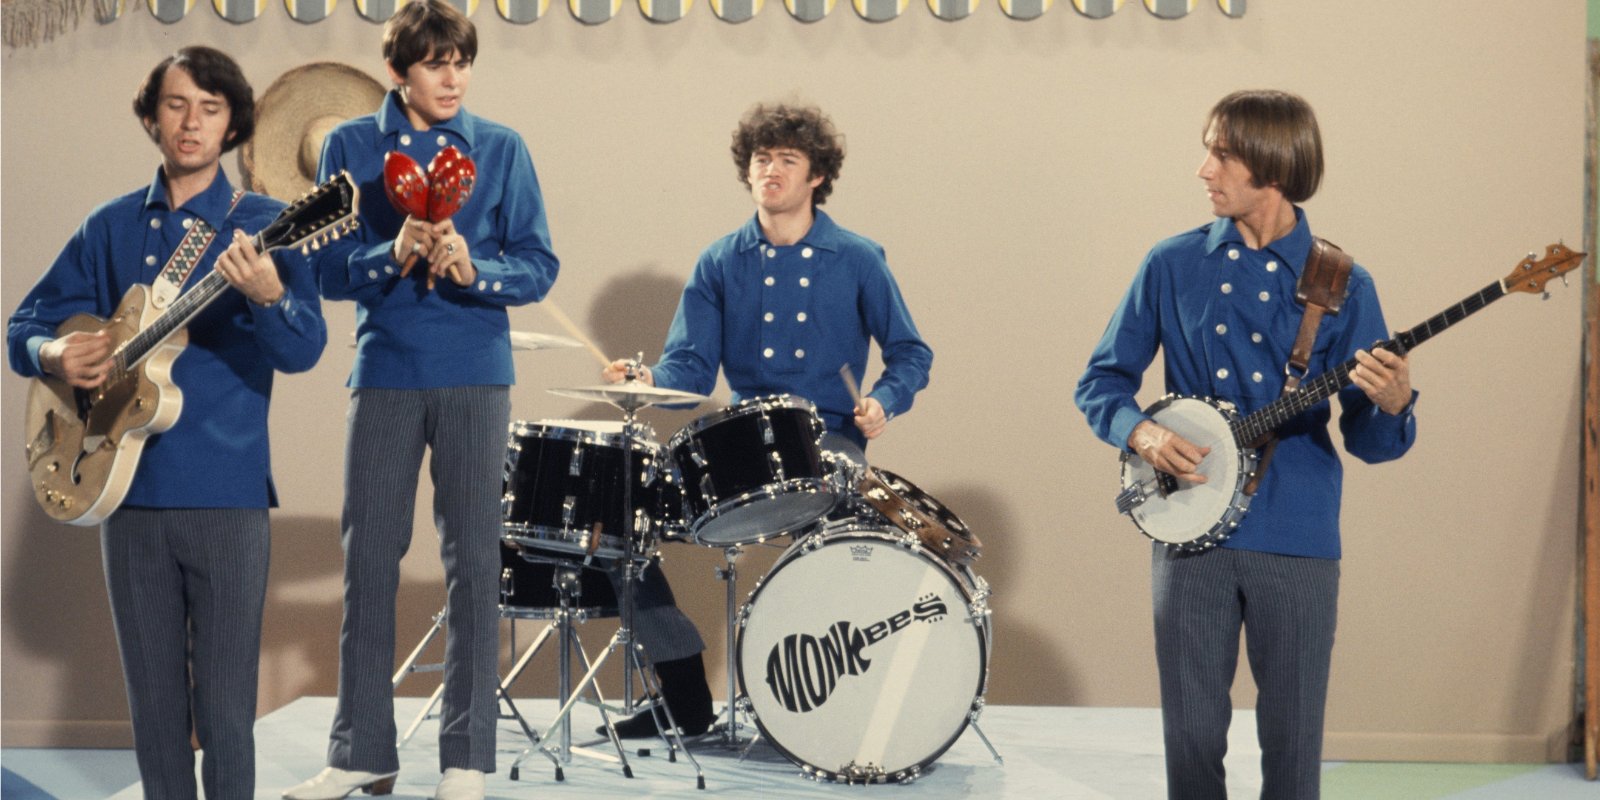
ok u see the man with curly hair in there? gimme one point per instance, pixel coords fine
(778, 305)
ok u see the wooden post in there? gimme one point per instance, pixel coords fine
(1591, 426)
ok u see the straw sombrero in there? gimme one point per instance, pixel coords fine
(293, 117)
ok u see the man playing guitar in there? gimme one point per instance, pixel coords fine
(186, 554)
(1219, 302)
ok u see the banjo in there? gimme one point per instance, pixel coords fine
(1199, 516)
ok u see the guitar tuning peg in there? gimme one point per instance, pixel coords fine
(1546, 296)
(1564, 279)
(304, 250)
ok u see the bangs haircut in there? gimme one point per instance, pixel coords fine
(1275, 134)
(213, 71)
(804, 128)
(428, 28)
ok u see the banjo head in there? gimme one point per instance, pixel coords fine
(1194, 516)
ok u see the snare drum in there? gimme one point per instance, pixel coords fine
(752, 471)
(528, 590)
(862, 654)
(564, 486)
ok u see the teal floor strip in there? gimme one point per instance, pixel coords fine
(1379, 781)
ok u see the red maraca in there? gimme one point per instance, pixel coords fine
(433, 196)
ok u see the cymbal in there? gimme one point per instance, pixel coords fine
(630, 395)
(528, 340)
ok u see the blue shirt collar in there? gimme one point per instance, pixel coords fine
(392, 120)
(824, 233)
(1291, 248)
(211, 205)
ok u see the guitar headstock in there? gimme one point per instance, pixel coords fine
(324, 213)
(1532, 273)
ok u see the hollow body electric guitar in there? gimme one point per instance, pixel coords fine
(1198, 516)
(83, 445)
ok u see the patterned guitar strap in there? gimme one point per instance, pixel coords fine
(1321, 290)
(169, 284)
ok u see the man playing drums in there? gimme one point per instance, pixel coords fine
(778, 305)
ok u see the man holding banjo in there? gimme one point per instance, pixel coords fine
(1219, 301)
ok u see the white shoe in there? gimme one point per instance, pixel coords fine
(460, 784)
(333, 783)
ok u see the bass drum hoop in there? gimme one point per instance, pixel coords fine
(959, 574)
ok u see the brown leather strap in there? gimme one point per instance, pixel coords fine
(1321, 290)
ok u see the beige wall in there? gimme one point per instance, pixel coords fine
(1016, 172)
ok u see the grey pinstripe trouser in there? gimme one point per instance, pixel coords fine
(187, 587)
(1288, 607)
(465, 427)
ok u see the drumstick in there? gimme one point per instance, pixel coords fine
(850, 386)
(566, 322)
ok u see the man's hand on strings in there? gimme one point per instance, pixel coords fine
(1385, 378)
(1167, 451)
(79, 358)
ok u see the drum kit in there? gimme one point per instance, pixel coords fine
(861, 656)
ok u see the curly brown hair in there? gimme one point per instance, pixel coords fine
(804, 128)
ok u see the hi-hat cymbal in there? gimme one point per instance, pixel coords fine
(528, 340)
(630, 395)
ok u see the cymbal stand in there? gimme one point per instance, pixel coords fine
(730, 574)
(562, 625)
(410, 665)
(624, 638)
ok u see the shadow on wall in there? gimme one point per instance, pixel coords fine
(55, 599)
(1019, 656)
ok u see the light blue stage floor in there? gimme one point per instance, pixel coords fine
(1049, 752)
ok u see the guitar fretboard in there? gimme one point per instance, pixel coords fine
(1266, 419)
(183, 310)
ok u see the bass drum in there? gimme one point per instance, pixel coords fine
(862, 655)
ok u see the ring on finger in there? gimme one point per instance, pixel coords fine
(416, 247)
(450, 247)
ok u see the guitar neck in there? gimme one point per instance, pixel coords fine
(1269, 417)
(178, 316)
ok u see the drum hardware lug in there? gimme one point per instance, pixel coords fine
(697, 453)
(568, 505)
(765, 424)
(707, 488)
(651, 471)
(775, 460)
(575, 466)
(507, 589)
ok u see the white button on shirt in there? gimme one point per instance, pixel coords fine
(1233, 254)
(1227, 288)
(770, 280)
(1222, 329)
(1255, 376)
(1255, 337)
(1222, 373)
(767, 353)
(150, 261)
(442, 140)
(805, 282)
(800, 317)
(405, 138)
(188, 223)
(1264, 297)
(806, 253)
(1272, 266)
(155, 223)
(799, 354)
(767, 316)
